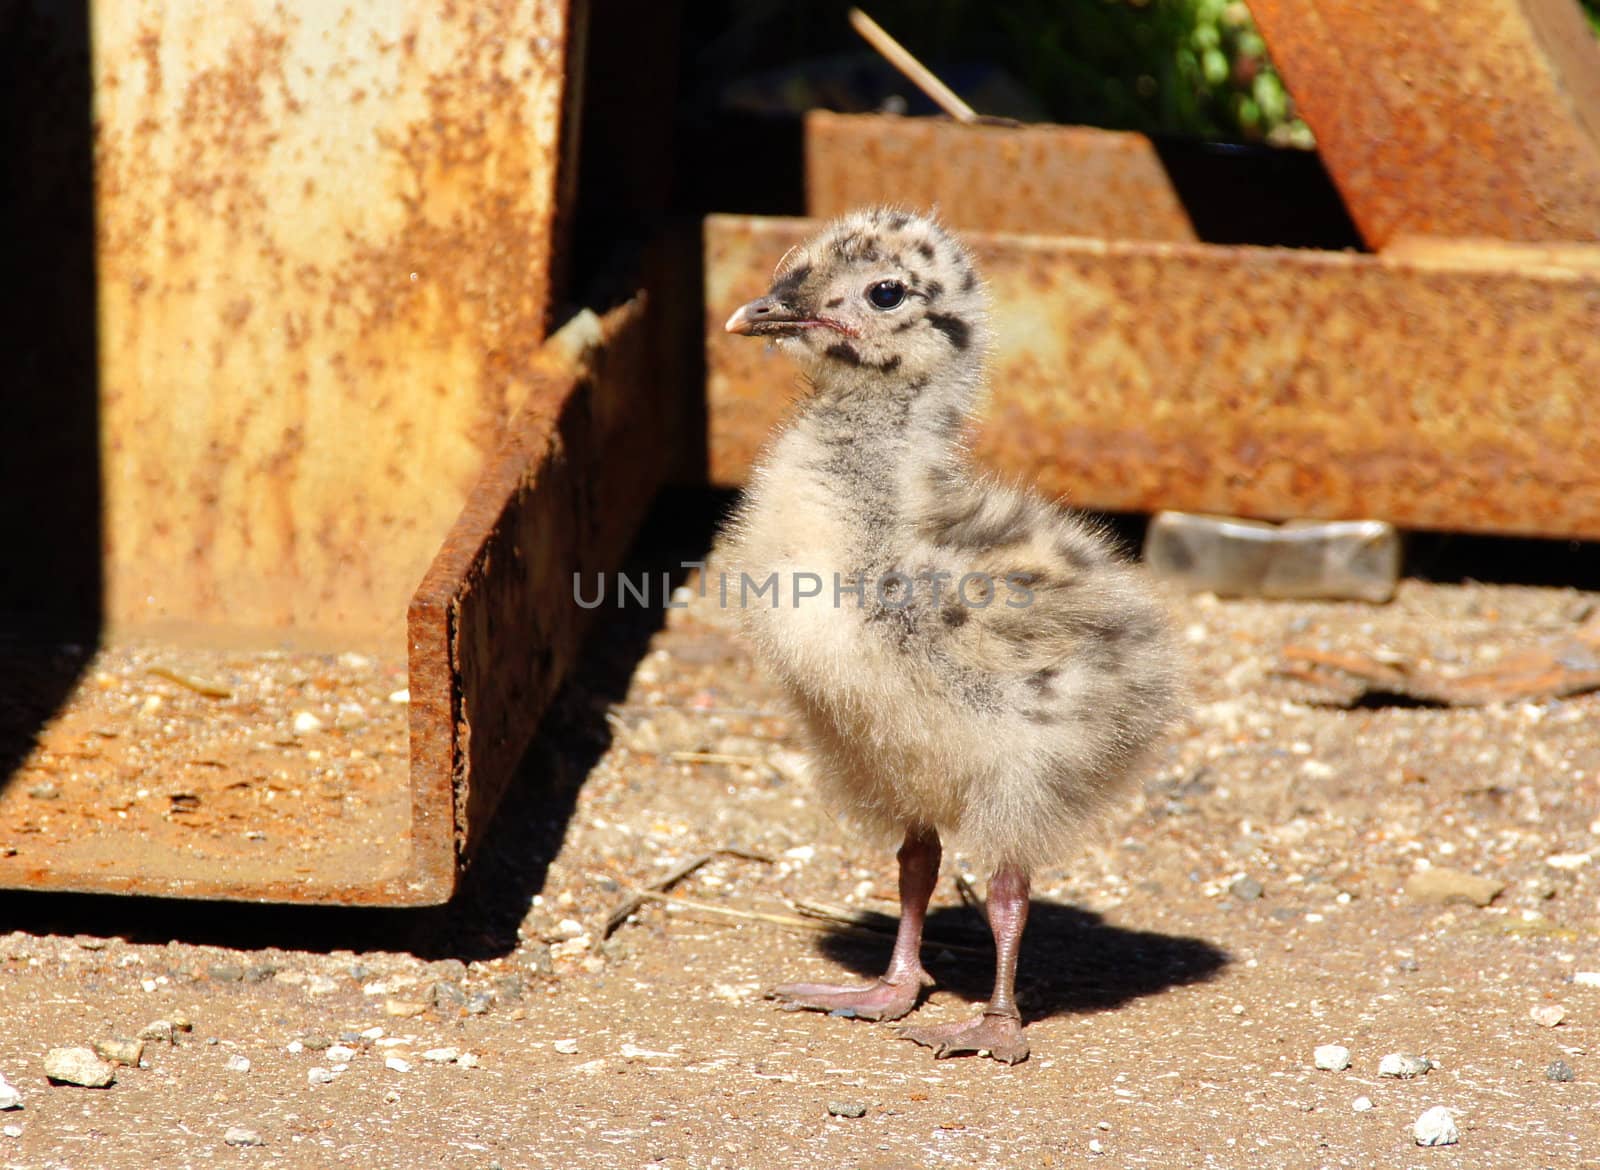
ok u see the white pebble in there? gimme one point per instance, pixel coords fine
(1547, 1015)
(340, 1053)
(12, 1131)
(441, 1055)
(1331, 1057)
(305, 723)
(238, 1135)
(1568, 860)
(9, 1097)
(800, 853)
(395, 1064)
(1399, 1064)
(239, 1064)
(1587, 978)
(1095, 1146)
(321, 985)
(565, 1047)
(403, 695)
(320, 1076)
(569, 928)
(1363, 1105)
(294, 1048)
(468, 1060)
(1436, 1127)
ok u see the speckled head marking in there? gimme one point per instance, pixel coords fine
(880, 292)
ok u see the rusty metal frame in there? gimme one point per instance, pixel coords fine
(1446, 386)
(493, 627)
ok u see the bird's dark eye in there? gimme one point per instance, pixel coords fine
(886, 294)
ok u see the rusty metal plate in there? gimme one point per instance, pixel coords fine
(494, 625)
(217, 771)
(1447, 391)
(1472, 118)
(324, 238)
(1042, 180)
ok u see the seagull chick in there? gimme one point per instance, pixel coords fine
(969, 661)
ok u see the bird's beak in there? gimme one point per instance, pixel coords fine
(769, 316)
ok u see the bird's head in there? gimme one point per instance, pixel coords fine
(879, 291)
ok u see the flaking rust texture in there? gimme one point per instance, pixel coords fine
(1472, 118)
(1041, 180)
(494, 627)
(324, 237)
(1446, 388)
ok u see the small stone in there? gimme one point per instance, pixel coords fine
(443, 993)
(478, 1004)
(259, 973)
(847, 1109)
(1096, 1146)
(340, 1054)
(1363, 1105)
(1246, 888)
(1559, 1070)
(238, 1064)
(1436, 1127)
(78, 1066)
(396, 1064)
(1331, 1057)
(305, 723)
(566, 1047)
(319, 1076)
(120, 1051)
(238, 1135)
(1568, 861)
(1403, 1065)
(441, 1055)
(182, 1024)
(12, 1131)
(569, 928)
(404, 1009)
(321, 985)
(225, 973)
(403, 695)
(316, 1042)
(10, 1098)
(295, 1048)
(1586, 978)
(1547, 1015)
(467, 1060)
(1443, 885)
(157, 1030)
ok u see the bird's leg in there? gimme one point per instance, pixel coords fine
(896, 993)
(998, 1031)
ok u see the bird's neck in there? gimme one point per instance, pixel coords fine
(888, 440)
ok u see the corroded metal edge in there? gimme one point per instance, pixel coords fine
(1473, 118)
(1444, 389)
(1042, 180)
(493, 627)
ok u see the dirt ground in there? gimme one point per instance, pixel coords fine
(1249, 904)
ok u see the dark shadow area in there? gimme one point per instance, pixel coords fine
(1258, 195)
(1072, 960)
(525, 834)
(50, 570)
(1453, 558)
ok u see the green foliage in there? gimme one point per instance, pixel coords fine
(1591, 9)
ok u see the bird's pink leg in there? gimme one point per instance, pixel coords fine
(896, 993)
(998, 1031)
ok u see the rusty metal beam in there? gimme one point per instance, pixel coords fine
(205, 791)
(494, 628)
(1469, 118)
(326, 235)
(1043, 180)
(1450, 388)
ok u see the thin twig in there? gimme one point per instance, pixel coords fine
(874, 921)
(671, 878)
(919, 74)
(969, 897)
(717, 758)
(199, 686)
